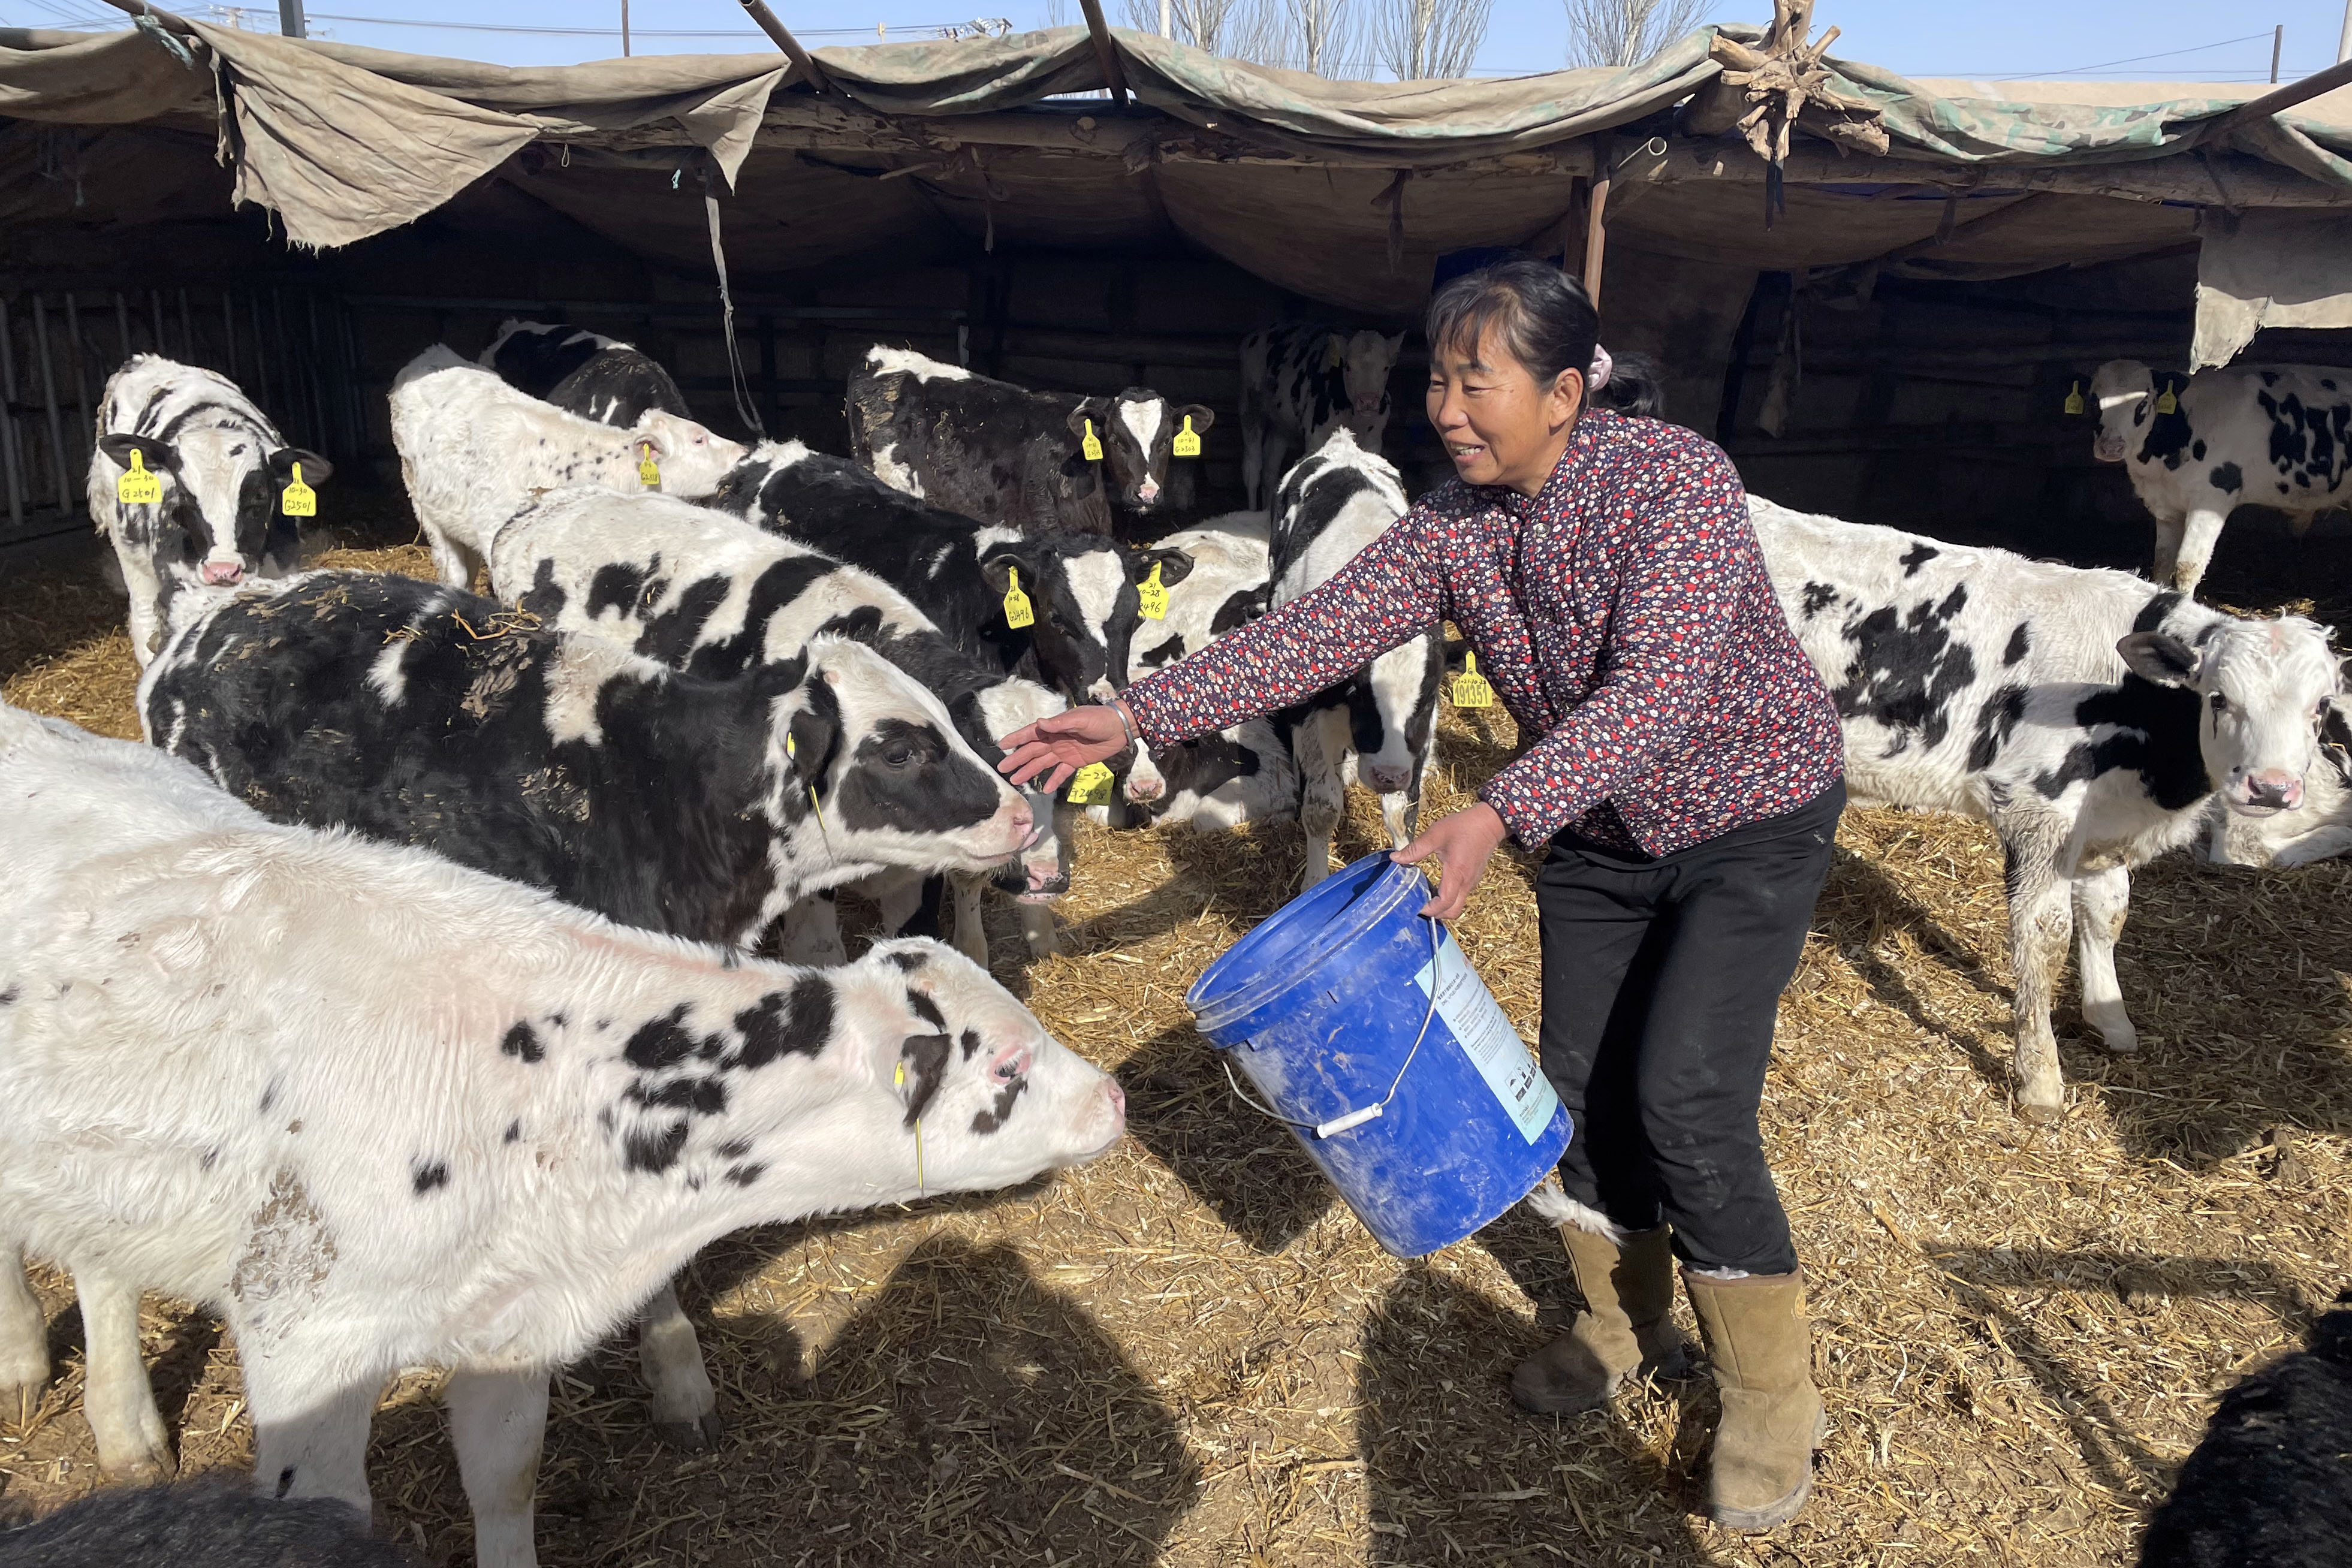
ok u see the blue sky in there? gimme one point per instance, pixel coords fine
(2194, 39)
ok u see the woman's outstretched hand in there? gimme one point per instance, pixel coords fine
(1463, 844)
(1064, 743)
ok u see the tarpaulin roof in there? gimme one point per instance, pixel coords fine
(1341, 190)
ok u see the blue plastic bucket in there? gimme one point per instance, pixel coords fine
(1364, 1029)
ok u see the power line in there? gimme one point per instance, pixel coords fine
(992, 26)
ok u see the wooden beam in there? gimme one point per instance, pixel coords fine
(2285, 98)
(1105, 52)
(164, 19)
(1596, 226)
(802, 62)
(2009, 216)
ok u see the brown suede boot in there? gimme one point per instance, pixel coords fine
(1757, 1334)
(1627, 1325)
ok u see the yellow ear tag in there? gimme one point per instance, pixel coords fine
(137, 487)
(899, 1081)
(649, 471)
(1092, 445)
(1018, 613)
(299, 500)
(2074, 404)
(1188, 442)
(1152, 596)
(1333, 351)
(793, 750)
(1090, 785)
(2166, 403)
(1472, 689)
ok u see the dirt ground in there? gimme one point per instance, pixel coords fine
(1191, 1353)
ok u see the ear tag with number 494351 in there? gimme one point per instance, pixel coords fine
(1092, 445)
(1018, 613)
(1472, 689)
(1188, 440)
(299, 500)
(649, 471)
(138, 486)
(1151, 596)
(1090, 785)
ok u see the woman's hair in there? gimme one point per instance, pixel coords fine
(1545, 320)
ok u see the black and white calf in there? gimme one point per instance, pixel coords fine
(473, 449)
(1001, 454)
(705, 808)
(377, 1109)
(2319, 827)
(222, 471)
(706, 594)
(1079, 586)
(583, 372)
(2280, 436)
(1379, 727)
(2088, 716)
(1301, 382)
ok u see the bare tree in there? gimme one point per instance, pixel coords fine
(1626, 32)
(1237, 29)
(1322, 35)
(1419, 39)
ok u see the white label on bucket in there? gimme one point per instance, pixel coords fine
(1487, 1038)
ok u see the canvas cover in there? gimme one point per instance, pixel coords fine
(1343, 191)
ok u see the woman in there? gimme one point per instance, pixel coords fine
(1686, 776)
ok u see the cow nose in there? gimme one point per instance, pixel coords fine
(220, 573)
(1148, 491)
(1023, 821)
(1117, 1098)
(1101, 691)
(1388, 780)
(2274, 786)
(1145, 788)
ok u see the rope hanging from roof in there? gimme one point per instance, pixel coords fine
(1766, 92)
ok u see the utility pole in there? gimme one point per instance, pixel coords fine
(1168, 30)
(2278, 41)
(291, 23)
(624, 34)
(2344, 41)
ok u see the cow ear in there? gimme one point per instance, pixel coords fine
(998, 564)
(2157, 658)
(117, 446)
(657, 429)
(1200, 415)
(1095, 409)
(1175, 565)
(315, 469)
(1396, 347)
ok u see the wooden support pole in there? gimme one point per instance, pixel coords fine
(2009, 216)
(1105, 52)
(1596, 227)
(2285, 99)
(810, 72)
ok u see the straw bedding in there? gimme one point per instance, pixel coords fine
(1191, 1353)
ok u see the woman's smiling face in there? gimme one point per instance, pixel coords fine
(1498, 425)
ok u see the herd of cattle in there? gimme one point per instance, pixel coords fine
(414, 946)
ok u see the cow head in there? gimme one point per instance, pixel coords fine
(875, 757)
(2121, 391)
(1138, 430)
(2265, 686)
(220, 520)
(993, 1097)
(1364, 361)
(693, 460)
(1081, 591)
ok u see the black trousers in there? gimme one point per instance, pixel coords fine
(1660, 978)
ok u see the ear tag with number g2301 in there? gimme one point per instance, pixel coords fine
(138, 486)
(1092, 445)
(1090, 785)
(1152, 596)
(1188, 440)
(649, 471)
(1472, 689)
(297, 500)
(1018, 613)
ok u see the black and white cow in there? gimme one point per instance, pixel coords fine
(1379, 727)
(222, 471)
(473, 449)
(1301, 382)
(2319, 826)
(425, 715)
(2278, 436)
(583, 372)
(378, 1109)
(2088, 716)
(1001, 454)
(703, 593)
(1081, 587)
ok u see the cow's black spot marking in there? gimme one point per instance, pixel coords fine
(733, 1149)
(702, 1096)
(1996, 721)
(1918, 555)
(2152, 614)
(995, 1116)
(909, 961)
(2156, 736)
(744, 1175)
(8, 996)
(1819, 596)
(971, 1038)
(923, 1007)
(555, 1020)
(268, 1096)
(617, 585)
(653, 1151)
(926, 1059)
(522, 1043)
(423, 1175)
(284, 1480)
(1907, 670)
(211, 1158)
(2270, 378)
(2020, 644)
(2197, 451)
(2228, 477)
(514, 1132)
(662, 1042)
(796, 1022)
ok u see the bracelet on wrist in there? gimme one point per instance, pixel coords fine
(1126, 725)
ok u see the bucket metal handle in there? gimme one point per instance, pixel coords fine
(1353, 1119)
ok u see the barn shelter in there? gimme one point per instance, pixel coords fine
(1884, 320)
